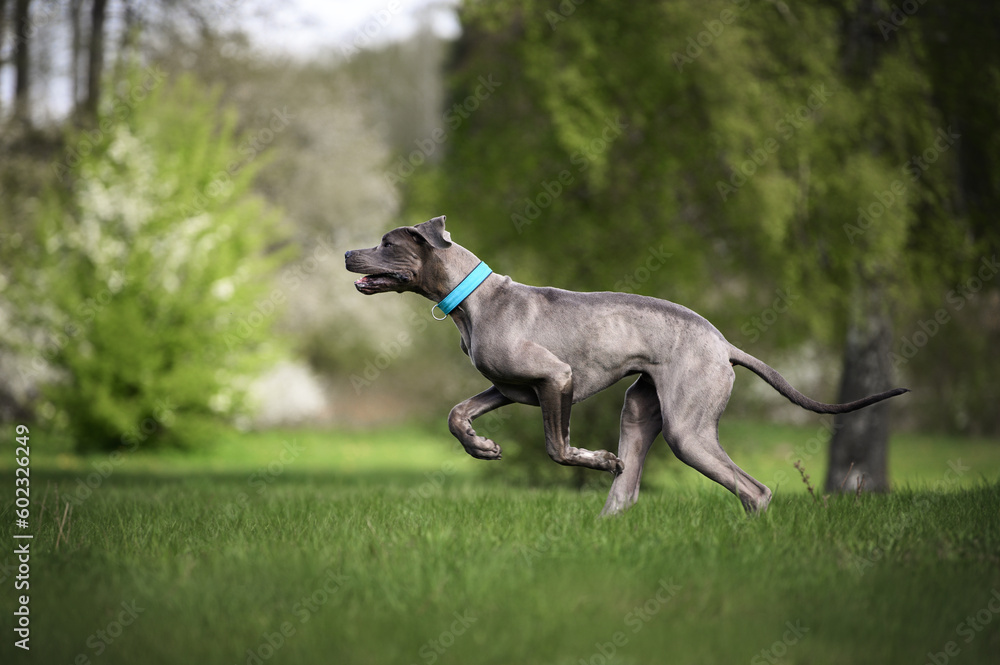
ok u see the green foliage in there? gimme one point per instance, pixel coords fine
(750, 153)
(148, 289)
(764, 147)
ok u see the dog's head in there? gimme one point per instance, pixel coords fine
(399, 262)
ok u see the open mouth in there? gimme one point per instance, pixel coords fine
(386, 281)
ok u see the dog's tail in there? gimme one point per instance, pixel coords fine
(778, 382)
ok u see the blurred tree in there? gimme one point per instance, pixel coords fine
(876, 246)
(736, 147)
(22, 59)
(935, 227)
(403, 86)
(3, 38)
(75, 48)
(325, 171)
(149, 287)
(95, 62)
(962, 59)
(326, 157)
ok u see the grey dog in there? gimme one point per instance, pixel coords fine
(553, 348)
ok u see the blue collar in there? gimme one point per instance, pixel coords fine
(463, 290)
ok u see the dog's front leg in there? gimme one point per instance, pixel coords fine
(555, 397)
(461, 417)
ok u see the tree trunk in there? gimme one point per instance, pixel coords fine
(22, 71)
(859, 446)
(129, 29)
(95, 70)
(861, 438)
(76, 48)
(3, 28)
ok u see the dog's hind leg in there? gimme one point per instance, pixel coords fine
(702, 451)
(641, 423)
(691, 406)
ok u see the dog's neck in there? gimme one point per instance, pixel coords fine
(460, 262)
(465, 288)
(448, 271)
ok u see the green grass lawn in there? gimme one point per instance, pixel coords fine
(390, 547)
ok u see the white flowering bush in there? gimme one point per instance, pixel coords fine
(152, 293)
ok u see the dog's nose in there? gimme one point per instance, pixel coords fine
(348, 253)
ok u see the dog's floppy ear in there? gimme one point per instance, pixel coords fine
(432, 231)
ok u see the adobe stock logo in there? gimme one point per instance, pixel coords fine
(957, 298)
(760, 324)
(779, 648)
(914, 169)
(453, 118)
(969, 628)
(637, 619)
(657, 259)
(433, 649)
(714, 28)
(583, 159)
(786, 128)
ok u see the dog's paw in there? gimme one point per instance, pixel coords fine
(486, 449)
(615, 465)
